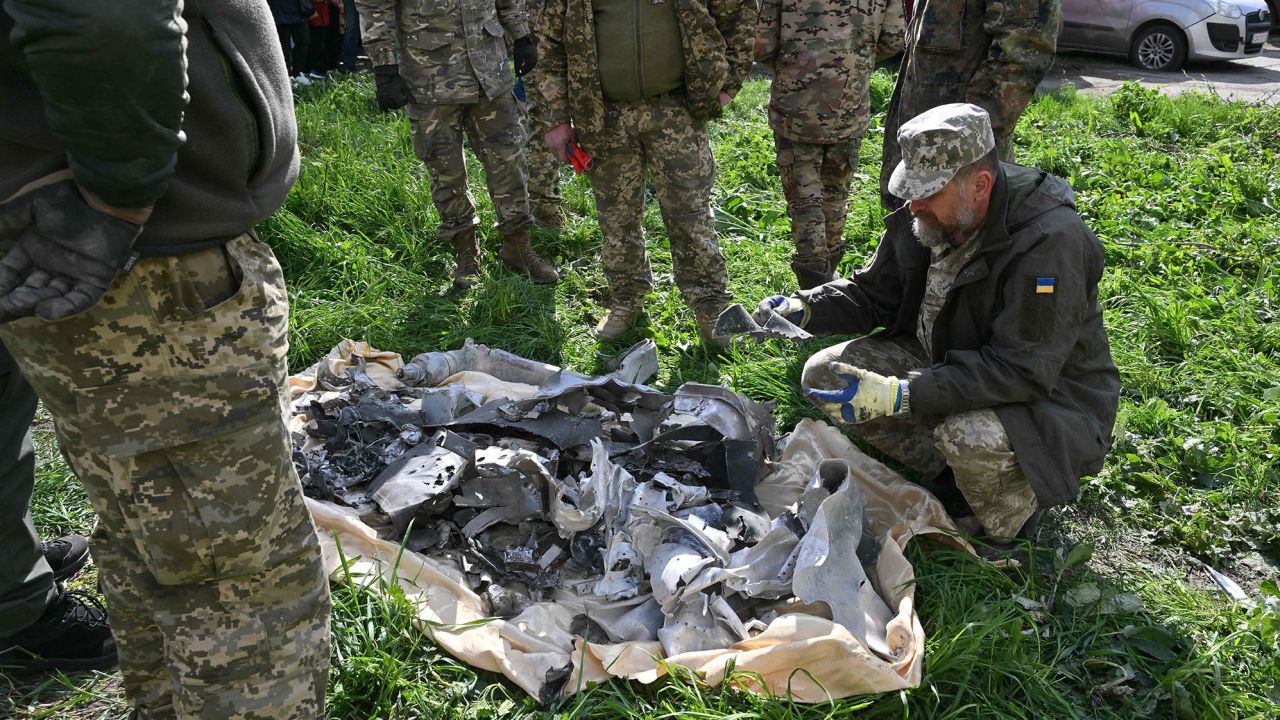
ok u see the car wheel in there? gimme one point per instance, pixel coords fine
(1158, 47)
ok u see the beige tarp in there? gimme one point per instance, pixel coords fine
(804, 655)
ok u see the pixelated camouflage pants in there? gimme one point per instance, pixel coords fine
(974, 443)
(167, 397)
(497, 138)
(660, 135)
(815, 181)
(544, 174)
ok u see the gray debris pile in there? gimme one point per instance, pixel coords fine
(540, 484)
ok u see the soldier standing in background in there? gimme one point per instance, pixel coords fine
(544, 167)
(989, 53)
(634, 83)
(457, 79)
(822, 53)
(152, 323)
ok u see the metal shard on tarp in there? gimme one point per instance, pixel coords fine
(735, 320)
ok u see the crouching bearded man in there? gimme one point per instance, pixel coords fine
(991, 374)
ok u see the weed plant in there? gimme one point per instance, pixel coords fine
(1113, 616)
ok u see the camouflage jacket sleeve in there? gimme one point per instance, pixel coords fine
(769, 32)
(1024, 37)
(892, 32)
(737, 22)
(550, 86)
(380, 30)
(514, 18)
(113, 79)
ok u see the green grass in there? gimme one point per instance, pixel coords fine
(1113, 618)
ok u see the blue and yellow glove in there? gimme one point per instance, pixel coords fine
(865, 396)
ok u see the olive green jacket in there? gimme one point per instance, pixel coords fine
(193, 115)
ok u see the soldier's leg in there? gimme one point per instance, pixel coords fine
(800, 167)
(497, 138)
(209, 560)
(545, 201)
(677, 149)
(986, 470)
(617, 181)
(906, 439)
(437, 141)
(1004, 147)
(839, 162)
(26, 580)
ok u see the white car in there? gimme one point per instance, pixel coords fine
(1163, 34)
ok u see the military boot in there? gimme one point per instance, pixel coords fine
(518, 254)
(73, 634)
(549, 217)
(810, 273)
(706, 320)
(619, 320)
(835, 255)
(465, 253)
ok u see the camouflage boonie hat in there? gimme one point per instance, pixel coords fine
(936, 144)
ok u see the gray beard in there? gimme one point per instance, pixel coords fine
(934, 236)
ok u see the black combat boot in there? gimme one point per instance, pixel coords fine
(73, 634)
(66, 555)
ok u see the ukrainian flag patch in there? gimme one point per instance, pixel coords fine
(1044, 285)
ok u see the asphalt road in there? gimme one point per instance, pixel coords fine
(1255, 80)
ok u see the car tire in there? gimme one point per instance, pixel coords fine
(1159, 46)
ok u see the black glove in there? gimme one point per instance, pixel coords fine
(65, 253)
(393, 91)
(526, 55)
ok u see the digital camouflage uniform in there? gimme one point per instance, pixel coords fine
(992, 54)
(454, 58)
(664, 133)
(544, 167)
(822, 53)
(1001, 339)
(167, 394)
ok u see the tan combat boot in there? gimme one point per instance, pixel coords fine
(518, 254)
(618, 321)
(706, 330)
(467, 264)
(550, 217)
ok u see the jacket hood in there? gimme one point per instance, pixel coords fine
(1031, 193)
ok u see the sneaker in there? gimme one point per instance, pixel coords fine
(73, 634)
(66, 555)
(301, 80)
(617, 322)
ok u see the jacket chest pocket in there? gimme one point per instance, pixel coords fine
(940, 26)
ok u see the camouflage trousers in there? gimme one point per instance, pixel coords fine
(497, 137)
(544, 175)
(815, 181)
(167, 397)
(973, 443)
(658, 134)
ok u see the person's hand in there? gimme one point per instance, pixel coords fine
(725, 98)
(392, 91)
(67, 248)
(558, 137)
(793, 310)
(865, 395)
(525, 55)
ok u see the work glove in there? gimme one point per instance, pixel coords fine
(65, 252)
(865, 396)
(526, 55)
(392, 91)
(792, 309)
